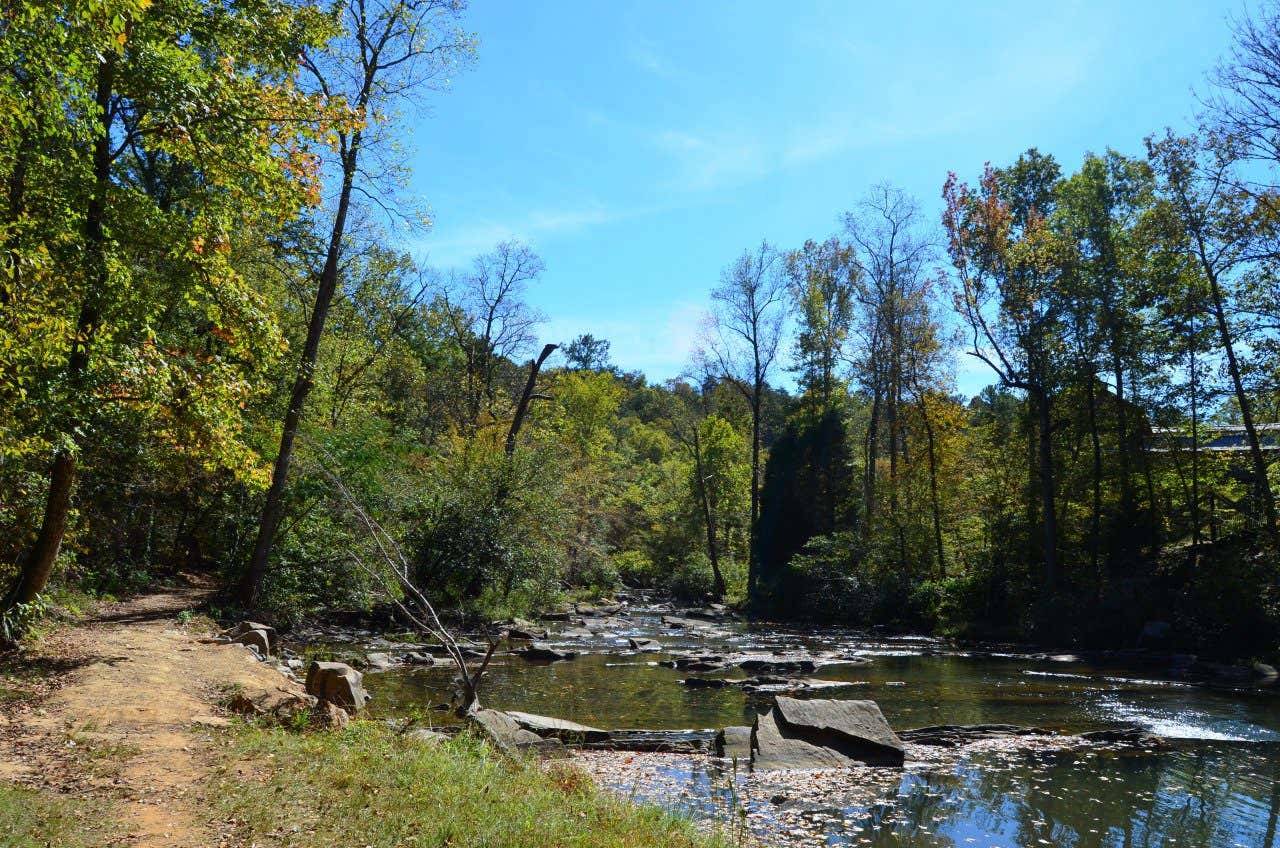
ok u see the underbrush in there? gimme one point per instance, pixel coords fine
(367, 786)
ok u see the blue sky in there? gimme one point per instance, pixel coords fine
(640, 146)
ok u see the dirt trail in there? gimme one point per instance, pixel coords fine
(128, 711)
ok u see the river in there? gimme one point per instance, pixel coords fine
(1214, 782)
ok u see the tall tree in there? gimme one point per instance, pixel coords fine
(169, 148)
(897, 333)
(822, 279)
(1007, 261)
(492, 322)
(1217, 227)
(748, 308)
(387, 53)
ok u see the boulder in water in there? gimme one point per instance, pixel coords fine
(542, 652)
(817, 734)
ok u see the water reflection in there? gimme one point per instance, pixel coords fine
(1212, 795)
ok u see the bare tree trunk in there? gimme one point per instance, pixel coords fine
(38, 565)
(304, 381)
(517, 421)
(1195, 444)
(869, 484)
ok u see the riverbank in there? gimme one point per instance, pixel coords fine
(112, 733)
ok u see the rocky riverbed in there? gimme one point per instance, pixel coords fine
(1018, 748)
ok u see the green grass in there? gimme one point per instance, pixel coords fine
(365, 786)
(31, 818)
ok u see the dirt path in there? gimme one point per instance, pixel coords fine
(126, 709)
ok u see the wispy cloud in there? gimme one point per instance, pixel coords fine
(706, 161)
(645, 56)
(455, 245)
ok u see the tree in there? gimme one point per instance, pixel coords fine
(822, 279)
(492, 324)
(162, 154)
(899, 342)
(1007, 261)
(748, 308)
(587, 353)
(388, 51)
(1217, 225)
(1098, 211)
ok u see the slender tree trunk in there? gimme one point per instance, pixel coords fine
(1122, 435)
(1047, 505)
(273, 508)
(1195, 448)
(895, 519)
(62, 474)
(1261, 485)
(933, 491)
(753, 565)
(872, 453)
(708, 515)
(517, 420)
(1095, 530)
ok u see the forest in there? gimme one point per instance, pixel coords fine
(217, 355)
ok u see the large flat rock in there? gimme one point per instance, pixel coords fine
(558, 728)
(821, 734)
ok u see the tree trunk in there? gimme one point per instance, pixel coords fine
(517, 420)
(1095, 528)
(35, 572)
(708, 515)
(753, 566)
(1047, 506)
(872, 456)
(273, 508)
(933, 491)
(1195, 449)
(1122, 435)
(1261, 485)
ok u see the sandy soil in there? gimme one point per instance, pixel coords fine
(125, 709)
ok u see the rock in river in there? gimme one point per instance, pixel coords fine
(819, 734)
(542, 652)
(568, 731)
(781, 665)
(648, 645)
